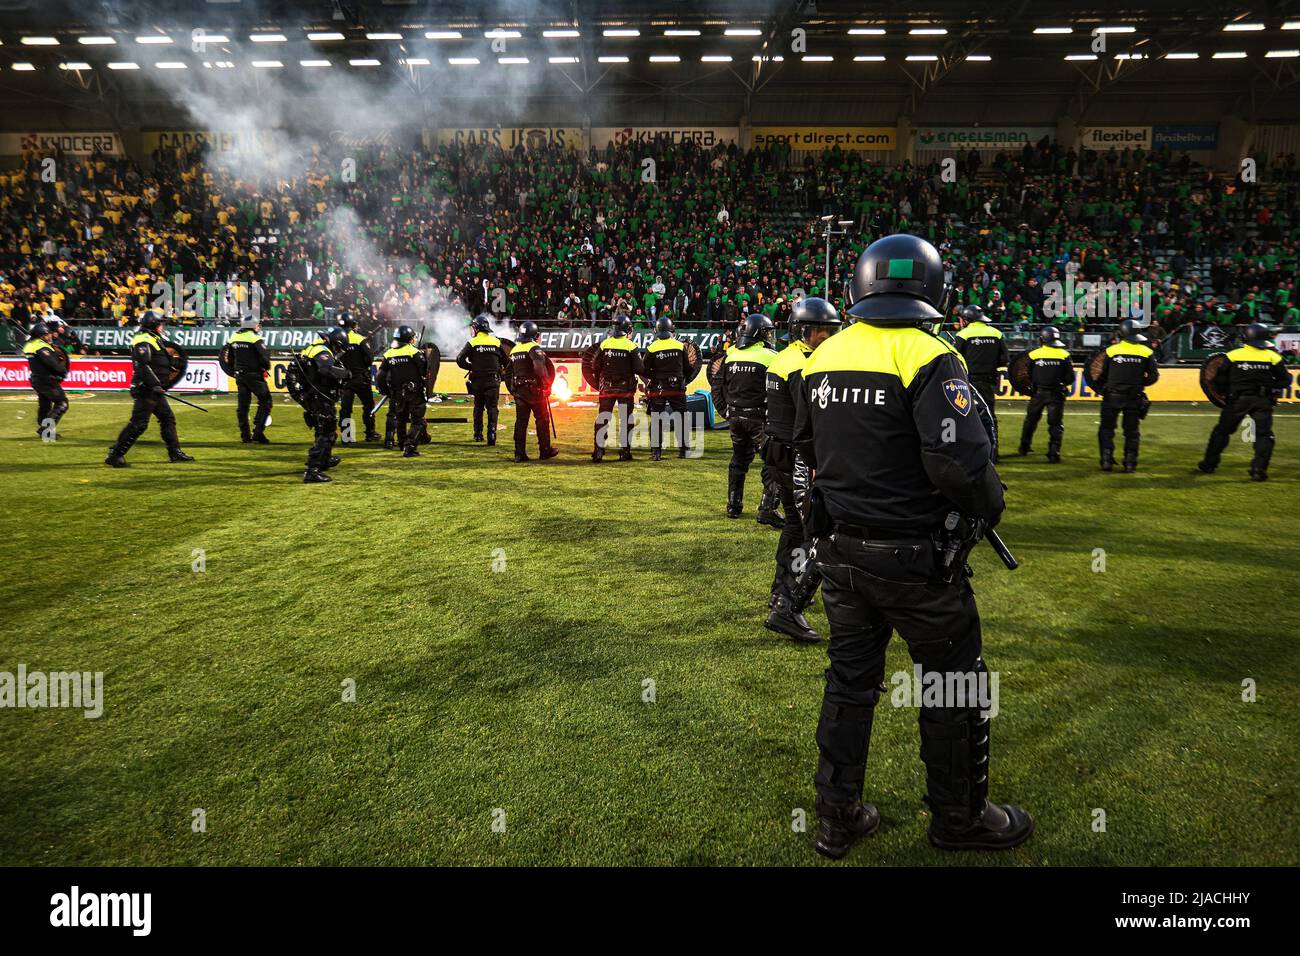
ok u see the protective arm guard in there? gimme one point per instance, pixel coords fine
(802, 483)
(142, 370)
(263, 357)
(1151, 370)
(462, 360)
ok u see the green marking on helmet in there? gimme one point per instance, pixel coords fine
(900, 269)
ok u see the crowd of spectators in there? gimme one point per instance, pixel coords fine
(703, 235)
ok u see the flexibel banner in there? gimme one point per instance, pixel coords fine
(826, 137)
(529, 137)
(47, 144)
(1182, 138)
(1115, 137)
(705, 136)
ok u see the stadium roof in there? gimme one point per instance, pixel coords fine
(702, 54)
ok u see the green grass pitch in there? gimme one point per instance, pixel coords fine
(516, 695)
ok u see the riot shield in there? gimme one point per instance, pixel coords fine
(1021, 375)
(1208, 370)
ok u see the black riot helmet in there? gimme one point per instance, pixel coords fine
(151, 321)
(971, 313)
(813, 312)
(1130, 331)
(756, 328)
(663, 327)
(898, 280)
(1050, 335)
(1257, 335)
(622, 325)
(39, 329)
(480, 324)
(405, 334)
(346, 321)
(528, 331)
(335, 338)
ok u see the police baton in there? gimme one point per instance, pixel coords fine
(1000, 549)
(177, 398)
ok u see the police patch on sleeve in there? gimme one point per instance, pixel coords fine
(958, 394)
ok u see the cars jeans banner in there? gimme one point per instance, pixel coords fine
(529, 137)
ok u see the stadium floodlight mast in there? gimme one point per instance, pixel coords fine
(828, 231)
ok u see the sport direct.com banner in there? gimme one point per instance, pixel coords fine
(113, 374)
(825, 137)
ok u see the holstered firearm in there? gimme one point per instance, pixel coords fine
(958, 537)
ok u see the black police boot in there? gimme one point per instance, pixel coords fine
(333, 462)
(548, 453)
(786, 619)
(735, 497)
(625, 455)
(373, 435)
(1130, 465)
(656, 454)
(388, 443)
(314, 476)
(767, 510)
(1107, 460)
(839, 826)
(491, 439)
(522, 458)
(997, 826)
(1053, 454)
(410, 451)
(244, 436)
(1022, 450)
(176, 455)
(1258, 474)
(597, 455)
(478, 436)
(1206, 467)
(681, 452)
(259, 438)
(114, 460)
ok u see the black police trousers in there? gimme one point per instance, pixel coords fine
(792, 548)
(148, 403)
(1131, 404)
(532, 405)
(1260, 410)
(51, 403)
(1052, 400)
(605, 421)
(668, 413)
(870, 589)
(486, 399)
(358, 386)
(250, 387)
(324, 422)
(746, 436)
(408, 411)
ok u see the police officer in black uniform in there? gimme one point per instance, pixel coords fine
(403, 375)
(531, 375)
(151, 367)
(617, 365)
(887, 422)
(323, 376)
(667, 373)
(484, 357)
(985, 351)
(812, 321)
(741, 388)
(47, 365)
(1252, 378)
(1052, 376)
(252, 364)
(358, 358)
(1129, 367)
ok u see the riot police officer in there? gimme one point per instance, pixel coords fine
(47, 364)
(985, 352)
(887, 423)
(616, 364)
(741, 389)
(1052, 376)
(1129, 367)
(358, 358)
(1252, 377)
(531, 375)
(484, 358)
(151, 367)
(402, 377)
(667, 373)
(252, 363)
(812, 322)
(323, 376)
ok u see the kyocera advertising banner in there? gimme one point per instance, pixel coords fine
(1115, 137)
(825, 137)
(47, 144)
(705, 136)
(1185, 137)
(529, 137)
(92, 373)
(981, 137)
